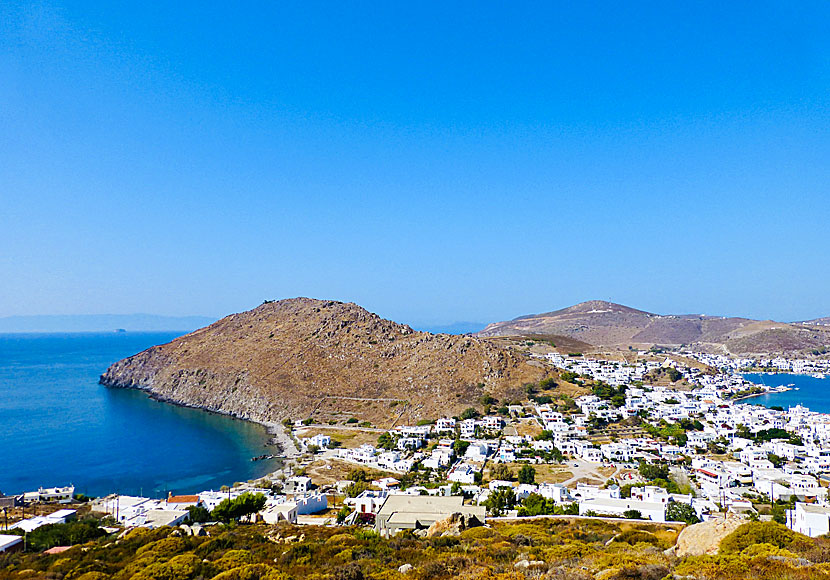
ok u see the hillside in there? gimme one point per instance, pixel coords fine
(527, 549)
(328, 360)
(608, 325)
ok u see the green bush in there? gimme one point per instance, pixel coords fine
(759, 533)
(68, 534)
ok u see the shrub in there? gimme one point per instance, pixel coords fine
(758, 533)
(636, 536)
(233, 559)
(179, 567)
(251, 572)
(501, 471)
(68, 534)
(469, 413)
(352, 571)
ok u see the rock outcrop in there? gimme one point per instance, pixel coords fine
(705, 537)
(326, 360)
(452, 525)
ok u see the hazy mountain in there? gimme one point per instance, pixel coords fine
(101, 323)
(605, 324)
(453, 328)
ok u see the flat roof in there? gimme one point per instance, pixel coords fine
(7, 541)
(427, 507)
(626, 503)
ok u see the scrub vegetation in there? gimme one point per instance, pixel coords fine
(554, 548)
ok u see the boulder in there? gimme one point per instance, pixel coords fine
(453, 525)
(705, 537)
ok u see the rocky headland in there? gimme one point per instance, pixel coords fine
(328, 361)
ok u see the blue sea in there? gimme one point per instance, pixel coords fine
(58, 426)
(812, 392)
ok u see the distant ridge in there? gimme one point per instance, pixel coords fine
(453, 328)
(101, 323)
(605, 324)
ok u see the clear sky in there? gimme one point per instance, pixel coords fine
(433, 162)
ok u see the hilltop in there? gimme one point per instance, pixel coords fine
(328, 360)
(602, 324)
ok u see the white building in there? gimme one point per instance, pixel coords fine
(808, 519)
(617, 507)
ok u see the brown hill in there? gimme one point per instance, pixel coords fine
(301, 357)
(605, 324)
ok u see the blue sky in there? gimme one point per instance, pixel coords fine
(432, 162)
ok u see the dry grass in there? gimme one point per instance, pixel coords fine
(346, 437)
(606, 470)
(529, 427)
(329, 471)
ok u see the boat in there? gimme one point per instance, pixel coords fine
(819, 376)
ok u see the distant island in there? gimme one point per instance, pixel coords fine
(102, 323)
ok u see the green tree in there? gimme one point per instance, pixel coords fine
(500, 500)
(355, 488)
(633, 514)
(527, 474)
(544, 436)
(651, 471)
(243, 505)
(460, 447)
(198, 513)
(358, 475)
(385, 441)
(681, 512)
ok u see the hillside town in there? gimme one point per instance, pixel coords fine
(628, 449)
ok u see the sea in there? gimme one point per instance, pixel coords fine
(58, 426)
(808, 391)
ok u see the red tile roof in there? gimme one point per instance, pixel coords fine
(183, 499)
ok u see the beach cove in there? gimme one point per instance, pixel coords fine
(61, 427)
(806, 390)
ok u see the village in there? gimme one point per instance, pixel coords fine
(630, 449)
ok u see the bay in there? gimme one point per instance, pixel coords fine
(58, 426)
(812, 392)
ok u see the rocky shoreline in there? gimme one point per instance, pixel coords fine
(276, 432)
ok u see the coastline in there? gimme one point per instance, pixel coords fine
(277, 435)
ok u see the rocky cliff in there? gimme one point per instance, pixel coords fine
(327, 360)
